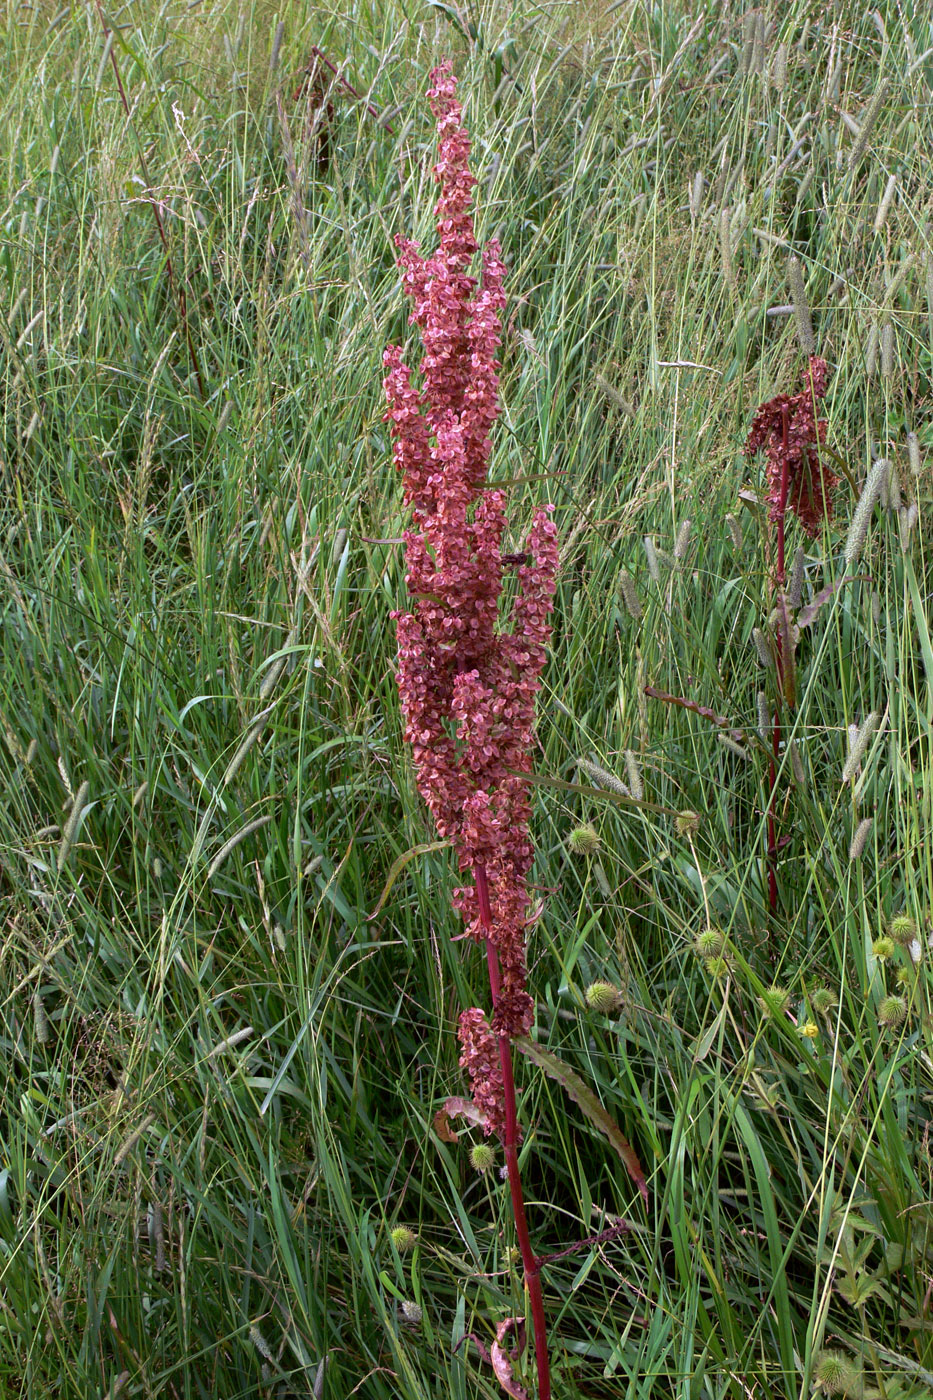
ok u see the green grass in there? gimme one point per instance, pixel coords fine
(219, 1078)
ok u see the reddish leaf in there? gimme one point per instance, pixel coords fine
(703, 710)
(586, 1099)
(502, 1359)
(456, 1108)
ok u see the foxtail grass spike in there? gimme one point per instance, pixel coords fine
(860, 837)
(235, 841)
(73, 823)
(765, 655)
(651, 554)
(633, 771)
(869, 117)
(861, 516)
(725, 244)
(730, 744)
(779, 68)
(764, 718)
(858, 743)
(907, 518)
(913, 453)
(795, 587)
(630, 595)
(798, 296)
(40, 1020)
(796, 765)
(884, 207)
(602, 777)
(734, 527)
(887, 350)
(695, 195)
(682, 542)
(276, 47)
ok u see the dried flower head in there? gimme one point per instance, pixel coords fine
(583, 841)
(774, 1001)
(903, 929)
(687, 823)
(789, 432)
(709, 943)
(482, 1157)
(822, 1000)
(411, 1313)
(467, 687)
(602, 997)
(892, 1012)
(404, 1239)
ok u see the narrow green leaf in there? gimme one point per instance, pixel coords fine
(585, 1098)
(399, 865)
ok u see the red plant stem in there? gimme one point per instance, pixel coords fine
(531, 1264)
(782, 503)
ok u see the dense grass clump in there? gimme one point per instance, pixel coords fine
(220, 1168)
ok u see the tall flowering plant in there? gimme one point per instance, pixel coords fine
(467, 681)
(790, 432)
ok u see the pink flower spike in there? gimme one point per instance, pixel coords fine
(467, 685)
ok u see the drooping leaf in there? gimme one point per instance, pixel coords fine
(399, 865)
(502, 1359)
(808, 614)
(585, 1098)
(704, 710)
(456, 1108)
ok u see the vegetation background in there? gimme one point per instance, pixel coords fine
(220, 1079)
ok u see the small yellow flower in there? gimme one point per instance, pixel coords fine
(810, 1029)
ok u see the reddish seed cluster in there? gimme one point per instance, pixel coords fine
(480, 1059)
(789, 432)
(467, 686)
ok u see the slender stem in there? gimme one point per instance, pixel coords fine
(531, 1264)
(174, 286)
(780, 578)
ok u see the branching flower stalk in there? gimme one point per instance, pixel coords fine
(790, 433)
(468, 684)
